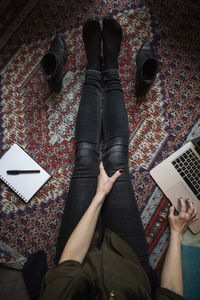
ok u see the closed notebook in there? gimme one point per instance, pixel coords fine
(25, 185)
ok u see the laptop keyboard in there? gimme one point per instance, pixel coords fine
(188, 166)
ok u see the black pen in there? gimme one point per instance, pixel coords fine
(17, 172)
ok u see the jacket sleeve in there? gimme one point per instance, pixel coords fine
(57, 283)
(165, 294)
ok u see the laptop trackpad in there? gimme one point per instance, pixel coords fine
(178, 191)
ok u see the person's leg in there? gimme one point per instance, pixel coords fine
(87, 136)
(120, 212)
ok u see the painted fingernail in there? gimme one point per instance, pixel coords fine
(121, 171)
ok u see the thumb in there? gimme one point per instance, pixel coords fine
(101, 167)
(116, 175)
(102, 170)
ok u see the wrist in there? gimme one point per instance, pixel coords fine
(176, 236)
(99, 198)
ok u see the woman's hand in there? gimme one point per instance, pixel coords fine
(187, 214)
(105, 183)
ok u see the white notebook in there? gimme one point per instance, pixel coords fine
(25, 185)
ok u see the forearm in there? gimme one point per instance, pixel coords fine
(171, 277)
(78, 244)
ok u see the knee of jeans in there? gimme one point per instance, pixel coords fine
(115, 158)
(87, 165)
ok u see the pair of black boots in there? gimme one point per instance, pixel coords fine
(111, 35)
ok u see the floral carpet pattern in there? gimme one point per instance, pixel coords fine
(43, 123)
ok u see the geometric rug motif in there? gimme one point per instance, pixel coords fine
(11, 258)
(43, 124)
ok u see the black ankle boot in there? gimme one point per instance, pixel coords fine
(147, 67)
(52, 63)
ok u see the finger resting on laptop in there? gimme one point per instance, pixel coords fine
(192, 211)
(194, 215)
(183, 206)
(191, 207)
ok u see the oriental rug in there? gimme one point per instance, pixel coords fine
(43, 123)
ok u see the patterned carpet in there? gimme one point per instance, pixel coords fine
(43, 124)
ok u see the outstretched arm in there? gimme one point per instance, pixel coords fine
(171, 277)
(78, 244)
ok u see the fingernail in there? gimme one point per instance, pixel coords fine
(121, 170)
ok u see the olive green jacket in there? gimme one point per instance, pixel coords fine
(114, 269)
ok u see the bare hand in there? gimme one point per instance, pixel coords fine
(178, 224)
(105, 183)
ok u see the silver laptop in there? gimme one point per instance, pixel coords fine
(179, 176)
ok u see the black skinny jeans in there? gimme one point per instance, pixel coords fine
(119, 212)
